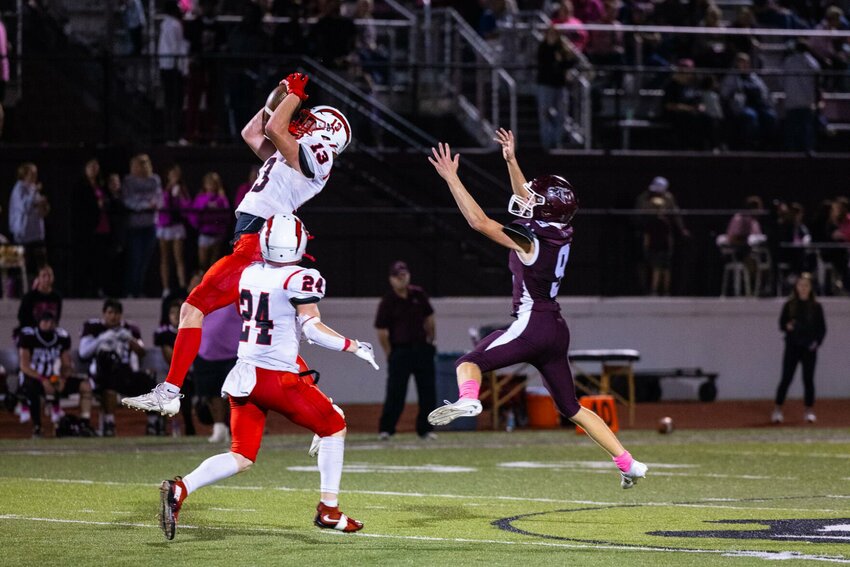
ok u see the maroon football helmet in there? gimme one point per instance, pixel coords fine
(550, 199)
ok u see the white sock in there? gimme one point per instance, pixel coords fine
(331, 503)
(212, 470)
(219, 427)
(109, 418)
(331, 453)
(171, 388)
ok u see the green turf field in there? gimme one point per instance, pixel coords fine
(733, 497)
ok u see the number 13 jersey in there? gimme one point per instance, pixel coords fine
(281, 189)
(268, 297)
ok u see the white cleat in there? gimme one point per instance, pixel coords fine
(158, 400)
(314, 446)
(776, 416)
(636, 471)
(464, 407)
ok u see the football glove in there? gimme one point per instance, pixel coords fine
(296, 83)
(367, 353)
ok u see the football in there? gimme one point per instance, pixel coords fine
(273, 100)
(665, 425)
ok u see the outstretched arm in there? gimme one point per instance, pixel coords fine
(254, 136)
(447, 166)
(324, 336)
(277, 128)
(505, 138)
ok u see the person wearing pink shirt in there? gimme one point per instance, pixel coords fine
(565, 14)
(210, 216)
(243, 189)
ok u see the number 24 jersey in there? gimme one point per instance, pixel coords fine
(268, 297)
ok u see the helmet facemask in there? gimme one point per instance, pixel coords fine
(523, 207)
(325, 122)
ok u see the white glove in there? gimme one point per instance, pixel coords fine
(367, 353)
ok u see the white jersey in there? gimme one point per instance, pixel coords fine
(268, 295)
(281, 189)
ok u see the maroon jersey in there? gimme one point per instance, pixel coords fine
(535, 285)
(46, 348)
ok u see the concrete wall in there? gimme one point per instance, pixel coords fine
(738, 338)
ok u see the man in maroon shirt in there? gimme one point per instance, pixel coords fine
(405, 324)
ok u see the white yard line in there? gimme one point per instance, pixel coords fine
(710, 503)
(766, 555)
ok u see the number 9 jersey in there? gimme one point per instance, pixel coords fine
(268, 297)
(281, 189)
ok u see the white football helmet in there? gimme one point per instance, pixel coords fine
(325, 122)
(283, 238)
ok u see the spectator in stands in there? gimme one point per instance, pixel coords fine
(607, 47)
(497, 14)
(405, 324)
(246, 38)
(164, 338)
(44, 352)
(172, 49)
(658, 233)
(771, 16)
(710, 49)
(751, 116)
(4, 70)
(171, 228)
(801, 98)
(210, 216)
(85, 218)
(333, 37)
(804, 326)
(289, 37)
(589, 11)
(135, 21)
(649, 42)
(833, 52)
(839, 231)
(693, 127)
(113, 347)
(204, 103)
(744, 231)
(370, 55)
(216, 357)
(41, 299)
(142, 195)
(565, 14)
(27, 208)
(794, 234)
(242, 190)
(749, 44)
(115, 236)
(554, 59)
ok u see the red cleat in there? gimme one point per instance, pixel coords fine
(332, 519)
(171, 496)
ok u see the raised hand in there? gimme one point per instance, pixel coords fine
(443, 162)
(296, 83)
(505, 138)
(367, 353)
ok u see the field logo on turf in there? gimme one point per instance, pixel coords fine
(812, 531)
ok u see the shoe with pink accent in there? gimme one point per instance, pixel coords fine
(171, 496)
(332, 519)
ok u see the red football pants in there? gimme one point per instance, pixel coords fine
(293, 396)
(220, 286)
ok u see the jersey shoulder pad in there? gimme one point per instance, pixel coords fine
(93, 327)
(62, 333)
(318, 155)
(305, 285)
(26, 337)
(519, 230)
